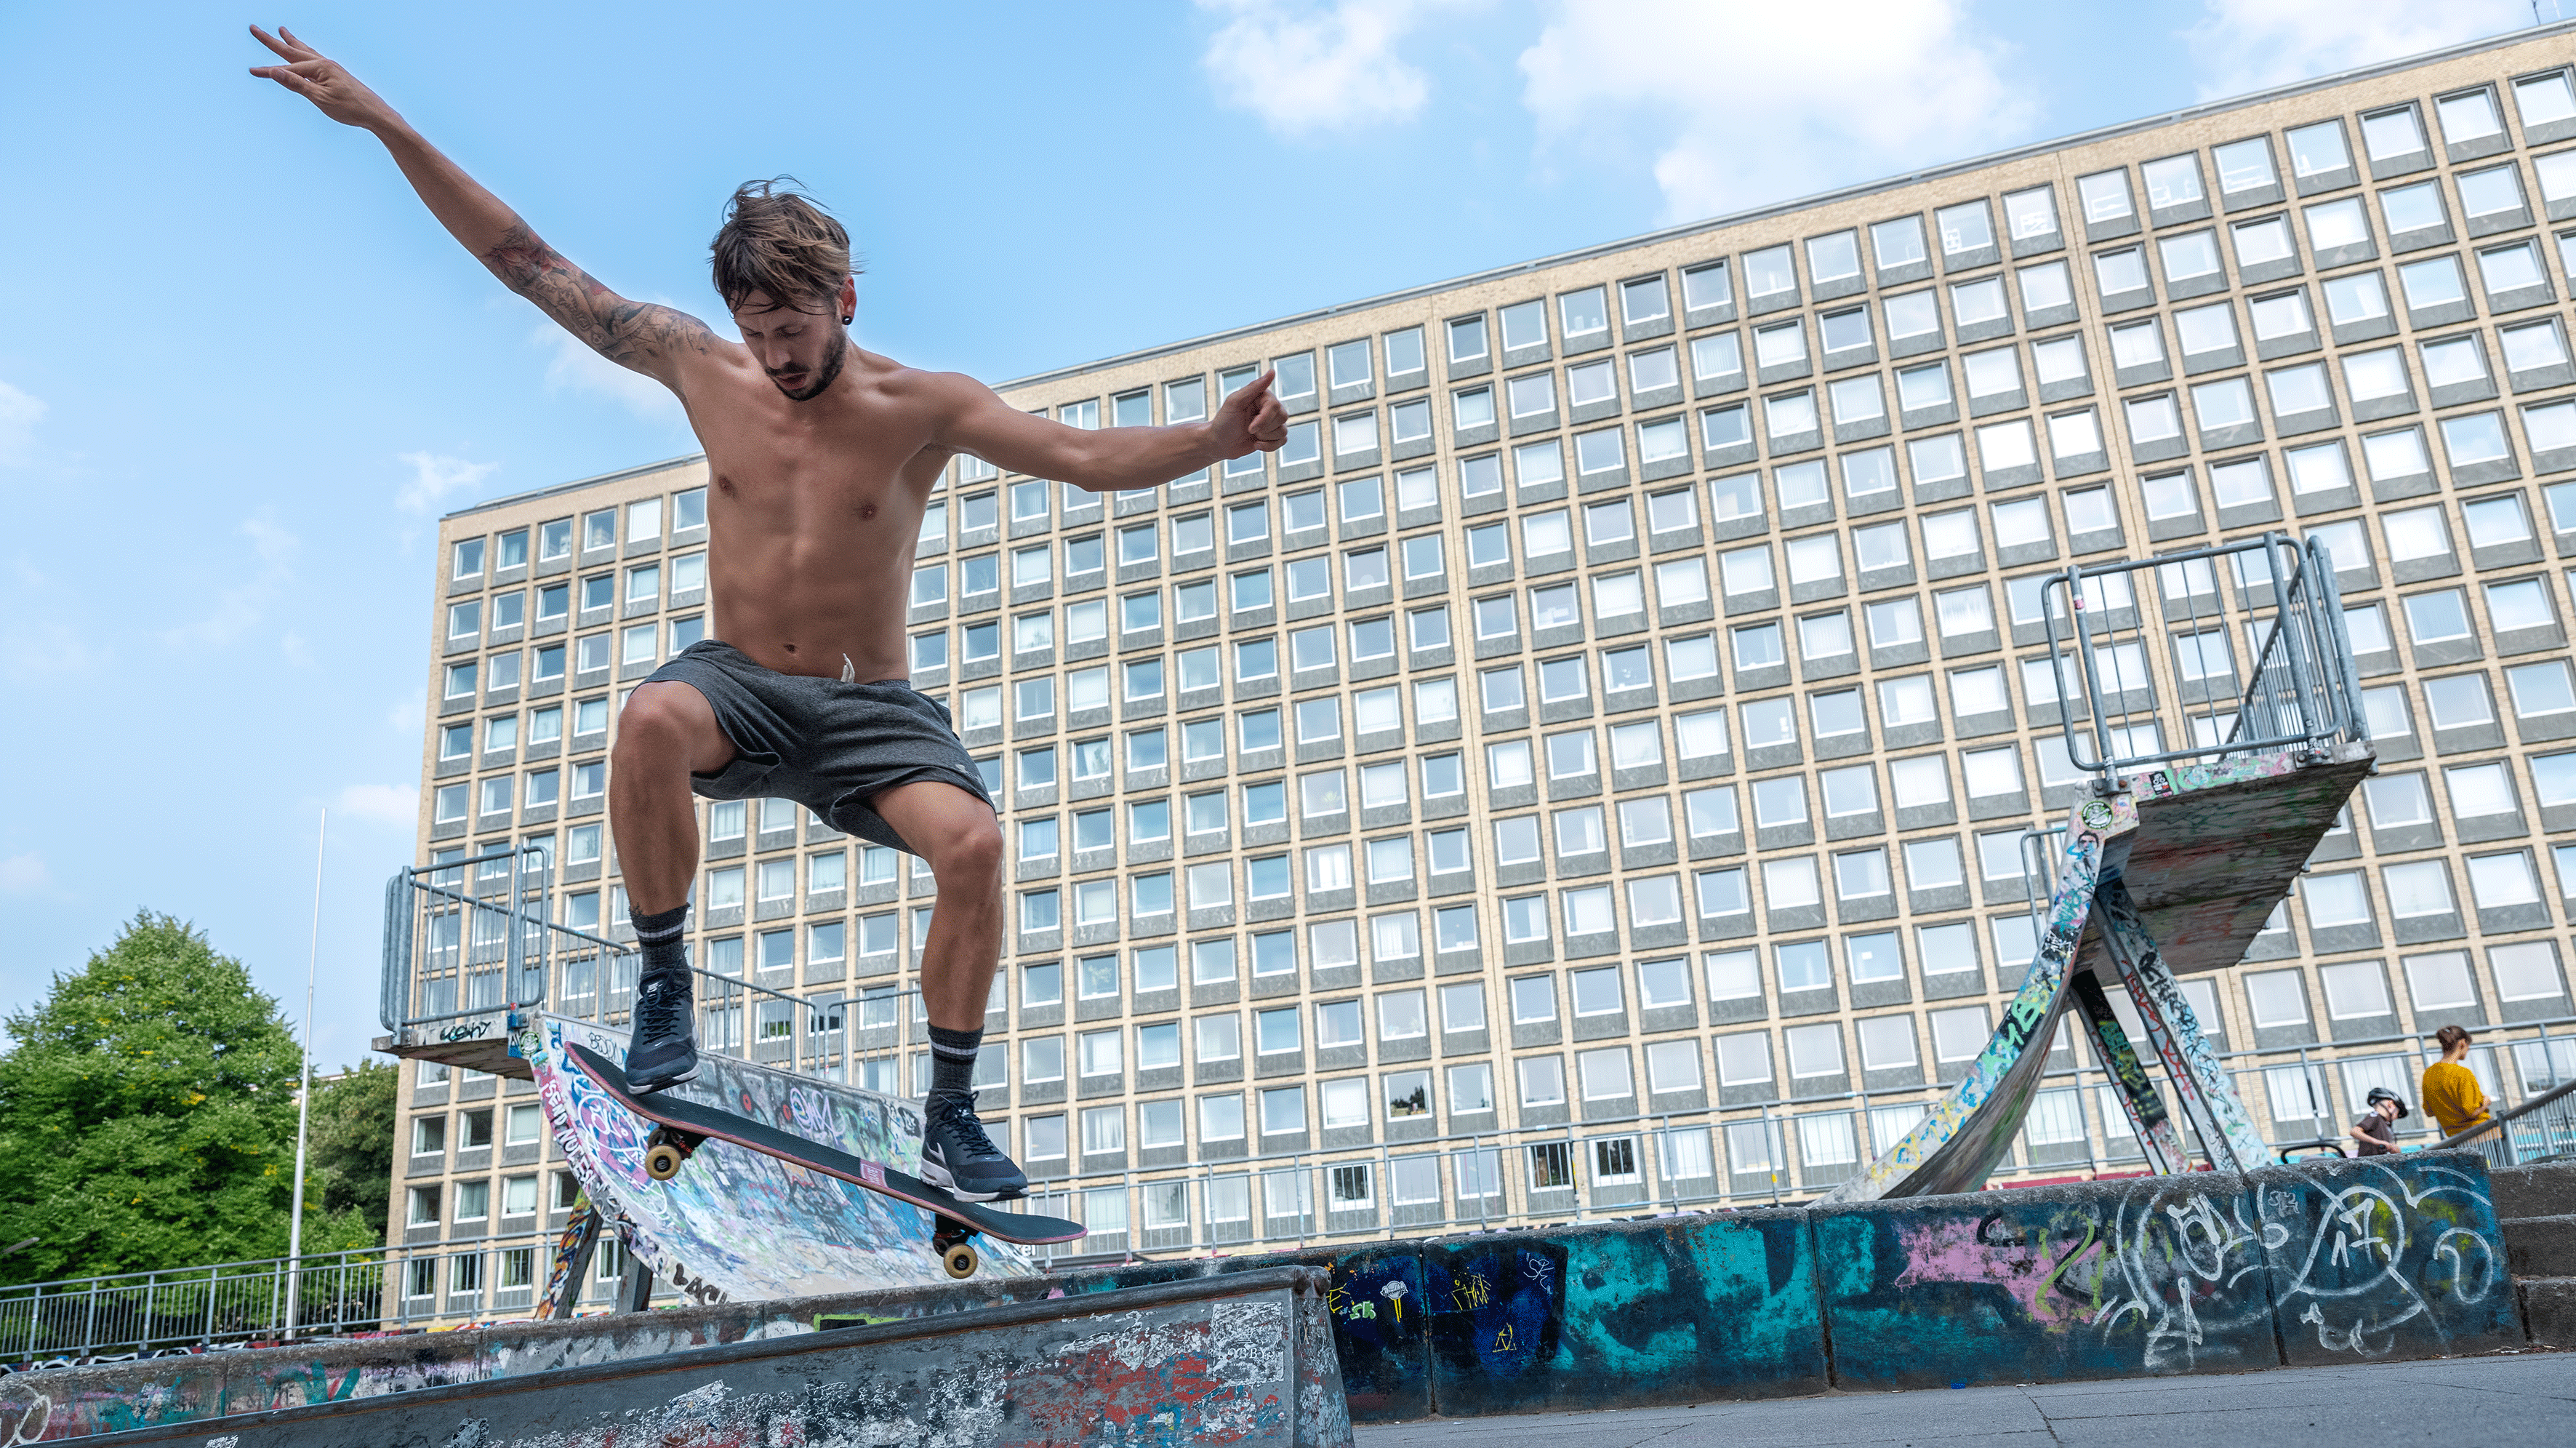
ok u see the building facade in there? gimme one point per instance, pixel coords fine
(1587, 768)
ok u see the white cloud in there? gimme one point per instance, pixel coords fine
(384, 804)
(572, 367)
(235, 610)
(1307, 68)
(2247, 45)
(435, 478)
(25, 874)
(1745, 103)
(19, 414)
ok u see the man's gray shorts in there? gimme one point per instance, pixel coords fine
(829, 746)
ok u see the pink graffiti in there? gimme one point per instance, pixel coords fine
(1951, 1251)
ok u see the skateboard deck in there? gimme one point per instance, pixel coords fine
(686, 1119)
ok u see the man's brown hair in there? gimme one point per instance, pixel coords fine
(2451, 1037)
(776, 241)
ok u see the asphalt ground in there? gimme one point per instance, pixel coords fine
(2482, 1402)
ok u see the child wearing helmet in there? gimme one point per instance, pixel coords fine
(2376, 1129)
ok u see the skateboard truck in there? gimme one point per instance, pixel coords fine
(956, 1254)
(666, 1148)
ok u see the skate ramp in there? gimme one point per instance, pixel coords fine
(735, 1225)
(2204, 851)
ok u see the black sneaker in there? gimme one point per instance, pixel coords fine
(664, 1049)
(957, 1155)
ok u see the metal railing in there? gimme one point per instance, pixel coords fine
(473, 936)
(467, 937)
(2540, 1129)
(239, 1303)
(2239, 650)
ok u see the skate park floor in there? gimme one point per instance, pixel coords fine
(2491, 1402)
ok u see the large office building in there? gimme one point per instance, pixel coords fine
(1586, 770)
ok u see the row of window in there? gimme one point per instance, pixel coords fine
(471, 1201)
(600, 599)
(582, 662)
(597, 530)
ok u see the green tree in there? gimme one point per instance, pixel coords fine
(349, 1164)
(147, 1113)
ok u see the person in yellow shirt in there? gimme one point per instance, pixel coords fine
(2451, 1093)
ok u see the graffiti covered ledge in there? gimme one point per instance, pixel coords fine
(2210, 1272)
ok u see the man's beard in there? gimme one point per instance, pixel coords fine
(831, 369)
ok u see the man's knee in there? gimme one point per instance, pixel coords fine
(667, 724)
(969, 853)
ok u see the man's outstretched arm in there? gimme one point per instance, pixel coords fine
(647, 338)
(1110, 459)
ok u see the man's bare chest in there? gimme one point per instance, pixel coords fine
(820, 479)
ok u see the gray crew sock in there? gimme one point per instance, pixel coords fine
(952, 1061)
(665, 952)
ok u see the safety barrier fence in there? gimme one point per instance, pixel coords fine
(236, 1303)
(2197, 655)
(466, 938)
(2540, 1129)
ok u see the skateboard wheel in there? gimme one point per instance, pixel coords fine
(662, 1161)
(959, 1261)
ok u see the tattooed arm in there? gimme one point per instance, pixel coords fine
(653, 340)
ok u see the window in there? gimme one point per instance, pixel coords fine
(2526, 972)
(1897, 243)
(2188, 256)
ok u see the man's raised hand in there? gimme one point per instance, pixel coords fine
(1252, 419)
(324, 82)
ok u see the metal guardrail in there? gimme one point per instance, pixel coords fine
(474, 936)
(466, 937)
(238, 1303)
(2231, 650)
(2539, 1129)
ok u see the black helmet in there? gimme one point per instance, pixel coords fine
(2382, 1093)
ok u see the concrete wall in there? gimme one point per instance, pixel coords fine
(2319, 1262)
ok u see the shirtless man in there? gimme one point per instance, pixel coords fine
(822, 457)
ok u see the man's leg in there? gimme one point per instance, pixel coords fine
(958, 834)
(666, 733)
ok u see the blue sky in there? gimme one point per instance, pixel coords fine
(242, 372)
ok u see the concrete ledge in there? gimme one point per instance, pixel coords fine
(1240, 1358)
(2099, 1280)
(2398, 1257)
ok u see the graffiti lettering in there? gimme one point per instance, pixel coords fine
(464, 1031)
(1469, 1292)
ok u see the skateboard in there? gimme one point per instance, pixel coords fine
(681, 1126)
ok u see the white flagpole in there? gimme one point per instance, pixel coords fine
(304, 1097)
